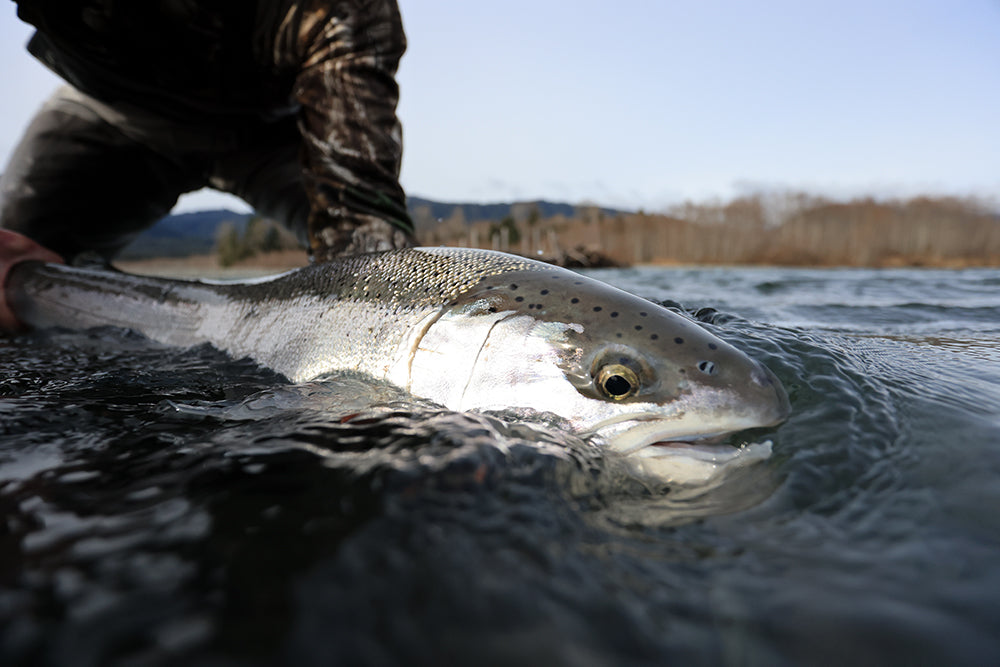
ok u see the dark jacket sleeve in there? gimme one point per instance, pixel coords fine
(352, 139)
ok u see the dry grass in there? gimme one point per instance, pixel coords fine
(793, 230)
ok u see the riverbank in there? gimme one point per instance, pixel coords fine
(208, 266)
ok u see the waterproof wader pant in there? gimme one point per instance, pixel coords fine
(89, 176)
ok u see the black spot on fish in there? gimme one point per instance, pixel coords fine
(513, 287)
(638, 327)
(643, 314)
(493, 309)
(574, 300)
(679, 340)
(519, 299)
(544, 292)
(614, 314)
(654, 337)
(713, 346)
(597, 309)
(618, 335)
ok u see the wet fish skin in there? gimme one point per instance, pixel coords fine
(358, 313)
(470, 329)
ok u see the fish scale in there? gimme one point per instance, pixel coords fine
(418, 278)
(344, 315)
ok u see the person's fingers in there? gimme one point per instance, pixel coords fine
(14, 249)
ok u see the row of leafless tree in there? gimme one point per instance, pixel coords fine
(260, 236)
(788, 229)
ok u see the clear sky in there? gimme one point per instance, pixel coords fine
(647, 103)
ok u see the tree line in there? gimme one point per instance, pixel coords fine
(260, 236)
(794, 229)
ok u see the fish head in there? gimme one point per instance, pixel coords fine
(641, 379)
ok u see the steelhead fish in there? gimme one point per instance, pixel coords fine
(469, 329)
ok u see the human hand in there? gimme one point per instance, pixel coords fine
(14, 249)
(362, 235)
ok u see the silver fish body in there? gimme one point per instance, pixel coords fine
(469, 329)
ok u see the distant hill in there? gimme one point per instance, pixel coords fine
(491, 212)
(187, 234)
(183, 234)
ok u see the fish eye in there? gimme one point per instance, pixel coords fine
(617, 382)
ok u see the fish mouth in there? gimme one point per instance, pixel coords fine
(633, 433)
(703, 463)
(712, 450)
(704, 445)
(667, 452)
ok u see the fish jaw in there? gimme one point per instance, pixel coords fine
(680, 450)
(696, 465)
(689, 441)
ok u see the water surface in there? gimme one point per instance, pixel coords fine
(163, 505)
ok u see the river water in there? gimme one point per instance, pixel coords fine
(164, 506)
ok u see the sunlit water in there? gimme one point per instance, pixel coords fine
(164, 506)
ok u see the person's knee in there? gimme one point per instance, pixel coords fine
(76, 182)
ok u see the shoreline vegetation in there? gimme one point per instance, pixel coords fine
(779, 229)
(787, 229)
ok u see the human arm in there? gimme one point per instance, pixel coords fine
(352, 141)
